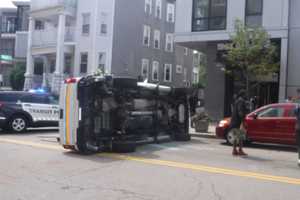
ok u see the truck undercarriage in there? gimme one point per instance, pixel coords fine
(117, 113)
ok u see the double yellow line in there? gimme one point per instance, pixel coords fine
(179, 165)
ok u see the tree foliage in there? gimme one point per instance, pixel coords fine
(250, 53)
(17, 76)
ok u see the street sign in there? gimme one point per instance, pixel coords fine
(6, 58)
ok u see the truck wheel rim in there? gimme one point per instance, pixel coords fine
(18, 124)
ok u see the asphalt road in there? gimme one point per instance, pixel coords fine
(34, 167)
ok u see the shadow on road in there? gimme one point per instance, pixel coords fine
(31, 132)
(273, 147)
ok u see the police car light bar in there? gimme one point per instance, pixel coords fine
(39, 90)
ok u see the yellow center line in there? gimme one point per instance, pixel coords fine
(179, 165)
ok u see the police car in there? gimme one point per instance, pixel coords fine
(20, 110)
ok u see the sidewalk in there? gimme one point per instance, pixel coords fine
(210, 134)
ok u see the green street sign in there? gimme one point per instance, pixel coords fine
(6, 58)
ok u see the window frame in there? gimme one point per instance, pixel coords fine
(39, 25)
(150, 5)
(171, 42)
(152, 74)
(84, 26)
(100, 63)
(173, 12)
(104, 24)
(147, 63)
(158, 4)
(209, 18)
(81, 64)
(165, 72)
(186, 51)
(247, 14)
(147, 34)
(157, 33)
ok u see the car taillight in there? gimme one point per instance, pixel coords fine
(71, 80)
(223, 123)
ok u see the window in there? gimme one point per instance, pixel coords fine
(271, 112)
(184, 75)
(10, 97)
(86, 23)
(195, 75)
(146, 38)
(186, 51)
(170, 12)
(168, 73)
(39, 99)
(291, 111)
(8, 24)
(148, 6)
(196, 60)
(83, 62)
(156, 39)
(39, 25)
(103, 25)
(68, 64)
(155, 70)
(209, 15)
(103, 29)
(178, 69)
(158, 9)
(169, 42)
(145, 68)
(102, 61)
(38, 68)
(254, 9)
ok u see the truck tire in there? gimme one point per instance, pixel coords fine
(123, 146)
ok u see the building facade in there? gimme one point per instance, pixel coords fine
(8, 27)
(13, 19)
(124, 38)
(206, 25)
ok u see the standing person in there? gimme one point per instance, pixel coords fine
(297, 112)
(236, 125)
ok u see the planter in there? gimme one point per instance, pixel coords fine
(201, 126)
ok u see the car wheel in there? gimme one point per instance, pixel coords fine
(18, 124)
(230, 137)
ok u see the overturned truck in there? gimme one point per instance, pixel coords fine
(106, 113)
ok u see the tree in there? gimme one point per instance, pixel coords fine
(17, 76)
(250, 53)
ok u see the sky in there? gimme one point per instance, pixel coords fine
(8, 3)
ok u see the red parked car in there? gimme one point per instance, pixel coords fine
(274, 123)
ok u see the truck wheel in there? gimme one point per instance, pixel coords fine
(123, 146)
(18, 124)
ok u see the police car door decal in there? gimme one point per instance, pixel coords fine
(40, 112)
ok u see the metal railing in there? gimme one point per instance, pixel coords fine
(8, 27)
(48, 37)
